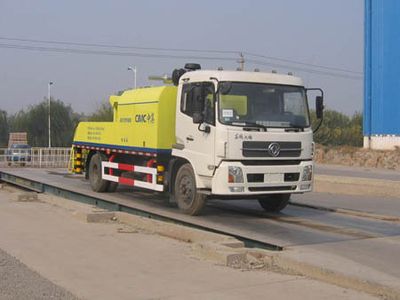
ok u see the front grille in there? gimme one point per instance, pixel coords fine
(271, 188)
(275, 162)
(260, 149)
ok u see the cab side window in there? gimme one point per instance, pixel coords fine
(187, 99)
(199, 96)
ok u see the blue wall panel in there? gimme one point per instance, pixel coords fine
(382, 67)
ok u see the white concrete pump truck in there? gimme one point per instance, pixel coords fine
(213, 134)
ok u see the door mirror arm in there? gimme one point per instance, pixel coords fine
(206, 129)
(216, 89)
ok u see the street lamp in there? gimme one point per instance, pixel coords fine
(48, 99)
(133, 69)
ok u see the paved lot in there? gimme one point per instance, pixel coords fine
(351, 171)
(389, 206)
(95, 261)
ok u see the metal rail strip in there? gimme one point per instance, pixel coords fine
(113, 206)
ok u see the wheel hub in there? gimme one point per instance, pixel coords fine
(186, 189)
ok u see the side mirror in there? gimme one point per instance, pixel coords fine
(319, 107)
(197, 118)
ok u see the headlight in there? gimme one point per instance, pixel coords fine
(235, 174)
(307, 173)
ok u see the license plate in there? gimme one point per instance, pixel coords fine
(273, 177)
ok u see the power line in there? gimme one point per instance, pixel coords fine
(112, 53)
(120, 46)
(101, 45)
(305, 70)
(302, 63)
(150, 55)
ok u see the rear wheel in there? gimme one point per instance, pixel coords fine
(186, 196)
(96, 182)
(274, 203)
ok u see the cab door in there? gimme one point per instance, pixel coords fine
(195, 126)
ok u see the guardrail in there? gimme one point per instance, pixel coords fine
(35, 157)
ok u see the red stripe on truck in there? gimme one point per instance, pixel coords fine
(126, 167)
(126, 181)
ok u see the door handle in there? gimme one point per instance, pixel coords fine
(190, 138)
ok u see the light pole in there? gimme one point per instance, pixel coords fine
(48, 99)
(133, 69)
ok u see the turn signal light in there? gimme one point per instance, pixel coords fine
(231, 179)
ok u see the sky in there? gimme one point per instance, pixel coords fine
(314, 39)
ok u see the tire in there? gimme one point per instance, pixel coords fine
(97, 184)
(274, 203)
(112, 187)
(187, 198)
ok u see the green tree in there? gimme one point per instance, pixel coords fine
(35, 122)
(339, 129)
(104, 113)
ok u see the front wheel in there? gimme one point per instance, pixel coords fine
(275, 202)
(186, 196)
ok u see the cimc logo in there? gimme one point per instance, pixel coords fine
(145, 118)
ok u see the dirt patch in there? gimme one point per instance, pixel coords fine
(360, 157)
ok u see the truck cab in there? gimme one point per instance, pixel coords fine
(246, 135)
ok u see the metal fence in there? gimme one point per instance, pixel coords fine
(35, 157)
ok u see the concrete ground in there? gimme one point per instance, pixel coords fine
(369, 190)
(69, 258)
(359, 172)
(388, 206)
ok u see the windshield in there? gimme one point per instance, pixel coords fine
(262, 105)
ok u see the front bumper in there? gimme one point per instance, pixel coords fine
(263, 179)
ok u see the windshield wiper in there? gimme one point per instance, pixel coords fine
(294, 127)
(250, 124)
